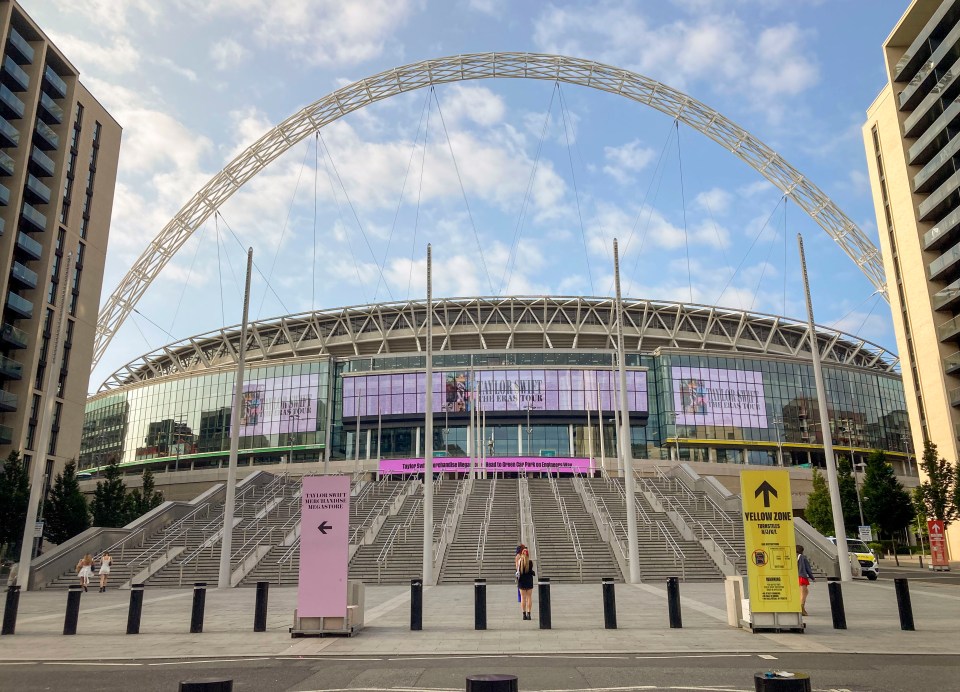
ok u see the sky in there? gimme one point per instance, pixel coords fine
(518, 185)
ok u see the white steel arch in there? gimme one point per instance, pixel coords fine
(468, 67)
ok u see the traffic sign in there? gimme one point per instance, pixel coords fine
(770, 542)
(938, 544)
(866, 533)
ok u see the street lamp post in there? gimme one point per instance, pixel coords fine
(529, 429)
(676, 431)
(776, 424)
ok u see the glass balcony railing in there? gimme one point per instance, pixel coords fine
(56, 86)
(42, 162)
(46, 138)
(955, 397)
(50, 109)
(10, 369)
(10, 104)
(11, 336)
(9, 136)
(944, 262)
(940, 200)
(943, 232)
(947, 297)
(6, 435)
(6, 163)
(8, 401)
(29, 246)
(37, 190)
(33, 219)
(949, 329)
(951, 363)
(921, 151)
(19, 305)
(14, 76)
(26, 277)
(4, 195)
(22, 51)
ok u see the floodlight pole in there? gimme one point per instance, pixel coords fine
(832, 480)
(226, 541)
(39, 461)
(624, 432)
(428, 430)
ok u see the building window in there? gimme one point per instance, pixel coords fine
(55, 428)
(32, 422)
(55, 273)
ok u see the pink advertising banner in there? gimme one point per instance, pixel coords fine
(502, 464)
(324, 546)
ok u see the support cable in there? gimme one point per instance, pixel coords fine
(283, 231)
(463, 191)
(683, 204)
(416, 218)
(763, 270)
(836, 323)
(176, 312)
(749, 249)
(716, 232)
(313, 266)
(518, 230)
(653, 179)
(226, 254)
(656, 194)
(403, 188)
(343, 223)
(873, 307)
(154, 324)
(353, 209)
(259, 271)
(216, 225)
(576, 194)
(147, 341)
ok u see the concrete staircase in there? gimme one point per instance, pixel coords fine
(569, 548)
(497, 501)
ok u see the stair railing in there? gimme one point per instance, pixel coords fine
(674, 548)
(287, 558)
(384, 556)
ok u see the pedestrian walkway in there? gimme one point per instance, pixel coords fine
(871, 610)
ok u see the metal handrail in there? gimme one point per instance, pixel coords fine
(388, 546)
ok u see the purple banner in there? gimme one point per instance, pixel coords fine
(279, 405)
(707, 396)
(459, 391)
(502, 464)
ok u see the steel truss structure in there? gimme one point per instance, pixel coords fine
(503, 324)
(468, 67)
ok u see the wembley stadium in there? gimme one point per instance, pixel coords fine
(342, 390)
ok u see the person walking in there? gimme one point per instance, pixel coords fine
(105, 562)
(806, 578)
(525, 576)
(85, 570)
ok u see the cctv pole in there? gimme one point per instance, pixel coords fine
(832, 480)
(428, 430)
(226, 541)
(624, 432)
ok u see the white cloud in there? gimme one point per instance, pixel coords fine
(492, 7)
(625, 160)
(472, 103)
(227, 54)
(112, 15)
(714, 200)
(117, 56)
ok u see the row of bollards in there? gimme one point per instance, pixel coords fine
(904, 607)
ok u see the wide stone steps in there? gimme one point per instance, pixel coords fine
(497, 564)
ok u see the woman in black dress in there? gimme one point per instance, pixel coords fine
(525, 576)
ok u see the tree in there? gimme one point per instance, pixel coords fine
(818, 513)
(65, 513)
(145, 498)
(14, 497)
(110, 506)
(885, 502)
(939, 490)
(848, 495)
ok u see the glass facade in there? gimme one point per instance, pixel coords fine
(697, 407)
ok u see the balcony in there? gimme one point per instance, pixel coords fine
(949, 329)
(10, 104)
(951, 363)
(9, 135)
(49, 110)
(955, 397)
(29, 246)
(946, 89)
(36, 192)
(937, 169)
(6, 164)
(41, 164)
(941, 201)
(10, 369)
(20, 50)
(53, 83)
(19, 305)
(944, 262)
(4, 196)
(13, 75)
(44, 137)
(31, 219)
(934, 138)
(26, 278)
(6, 435)
(13, 337)
(947, 298)
(8, 401)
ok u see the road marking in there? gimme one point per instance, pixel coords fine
(208, 660)
(641, 658)
(767, 657)
(100, 609)
(86, 663)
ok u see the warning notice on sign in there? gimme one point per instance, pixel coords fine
(771, 546)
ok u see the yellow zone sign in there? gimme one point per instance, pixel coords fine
(770, 541)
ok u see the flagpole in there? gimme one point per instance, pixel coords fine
(428, 433)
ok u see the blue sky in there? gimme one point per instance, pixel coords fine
(193, 82)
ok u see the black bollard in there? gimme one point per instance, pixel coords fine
(199, 601)
(543, 591)
(492, 683)
(260, 610)
(135, 610)
(769, 682)
(10, 610)
(207, 685)
(73, 609)
(479, 604)
(903, 604)
(609, 604)
(416, 604)
(836, 606)
(673, 602)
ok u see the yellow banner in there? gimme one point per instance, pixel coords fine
(769, 537)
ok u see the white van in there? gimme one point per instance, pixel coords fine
(869, 565)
